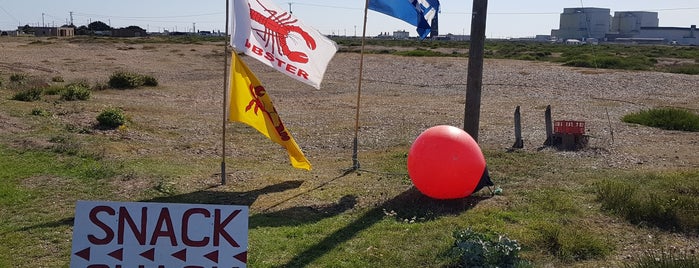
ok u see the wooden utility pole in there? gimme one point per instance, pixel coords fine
(474, 80)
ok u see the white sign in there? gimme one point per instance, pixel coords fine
(160, 235)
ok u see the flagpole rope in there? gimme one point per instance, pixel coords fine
(355, 160)
(225, 98)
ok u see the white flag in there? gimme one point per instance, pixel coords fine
(273, 36)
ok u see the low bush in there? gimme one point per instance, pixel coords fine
(473, 249)
(665, 118)
(74, 92)
(111, 118)
(32, 94)
(57, 79)
(125, 80)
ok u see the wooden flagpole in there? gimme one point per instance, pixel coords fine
(355, 160)
(225, 98)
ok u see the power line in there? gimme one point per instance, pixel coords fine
(149, 17)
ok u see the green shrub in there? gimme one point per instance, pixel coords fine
(665, 118)
(111, 118)
(75, 92)
(123, 80)
(57, 79)
(473, 249)
(32, 94)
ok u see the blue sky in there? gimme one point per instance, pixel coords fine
(343, 17)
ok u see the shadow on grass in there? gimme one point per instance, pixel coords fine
(206, 196)
(410, 204)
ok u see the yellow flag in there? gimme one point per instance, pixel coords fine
(249, 103)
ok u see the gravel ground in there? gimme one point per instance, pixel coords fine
(401, 96)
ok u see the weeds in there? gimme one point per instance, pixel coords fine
(665, 118)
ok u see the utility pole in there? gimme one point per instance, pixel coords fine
(290, 12)
(43, 24)
(194, 27)
(71, 18)
(474, 79)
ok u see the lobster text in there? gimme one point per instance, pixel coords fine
(292, 69)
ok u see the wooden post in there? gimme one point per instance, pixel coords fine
(474, 79)
(549, 127)
(518, 130)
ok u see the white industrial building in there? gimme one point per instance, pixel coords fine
(582, 23)
(625, 26)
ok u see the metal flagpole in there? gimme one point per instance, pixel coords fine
(225, 99)
(355, 160)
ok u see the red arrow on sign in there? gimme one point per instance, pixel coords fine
(149, 254)
(213, 256)
(85, 254)
(243, 257)
(117, 254)
(182, 255)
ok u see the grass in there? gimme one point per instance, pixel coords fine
(669, 201)
(665, 118)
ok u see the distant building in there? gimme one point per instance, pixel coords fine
(583, 23)
(671, 35)
(631, 22)
(402, 34)
(52, 31)
(129, 32)
(640, 27)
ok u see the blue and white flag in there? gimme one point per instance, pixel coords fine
(416, 12)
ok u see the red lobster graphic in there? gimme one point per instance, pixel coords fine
(264, 103)
(277, 30)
